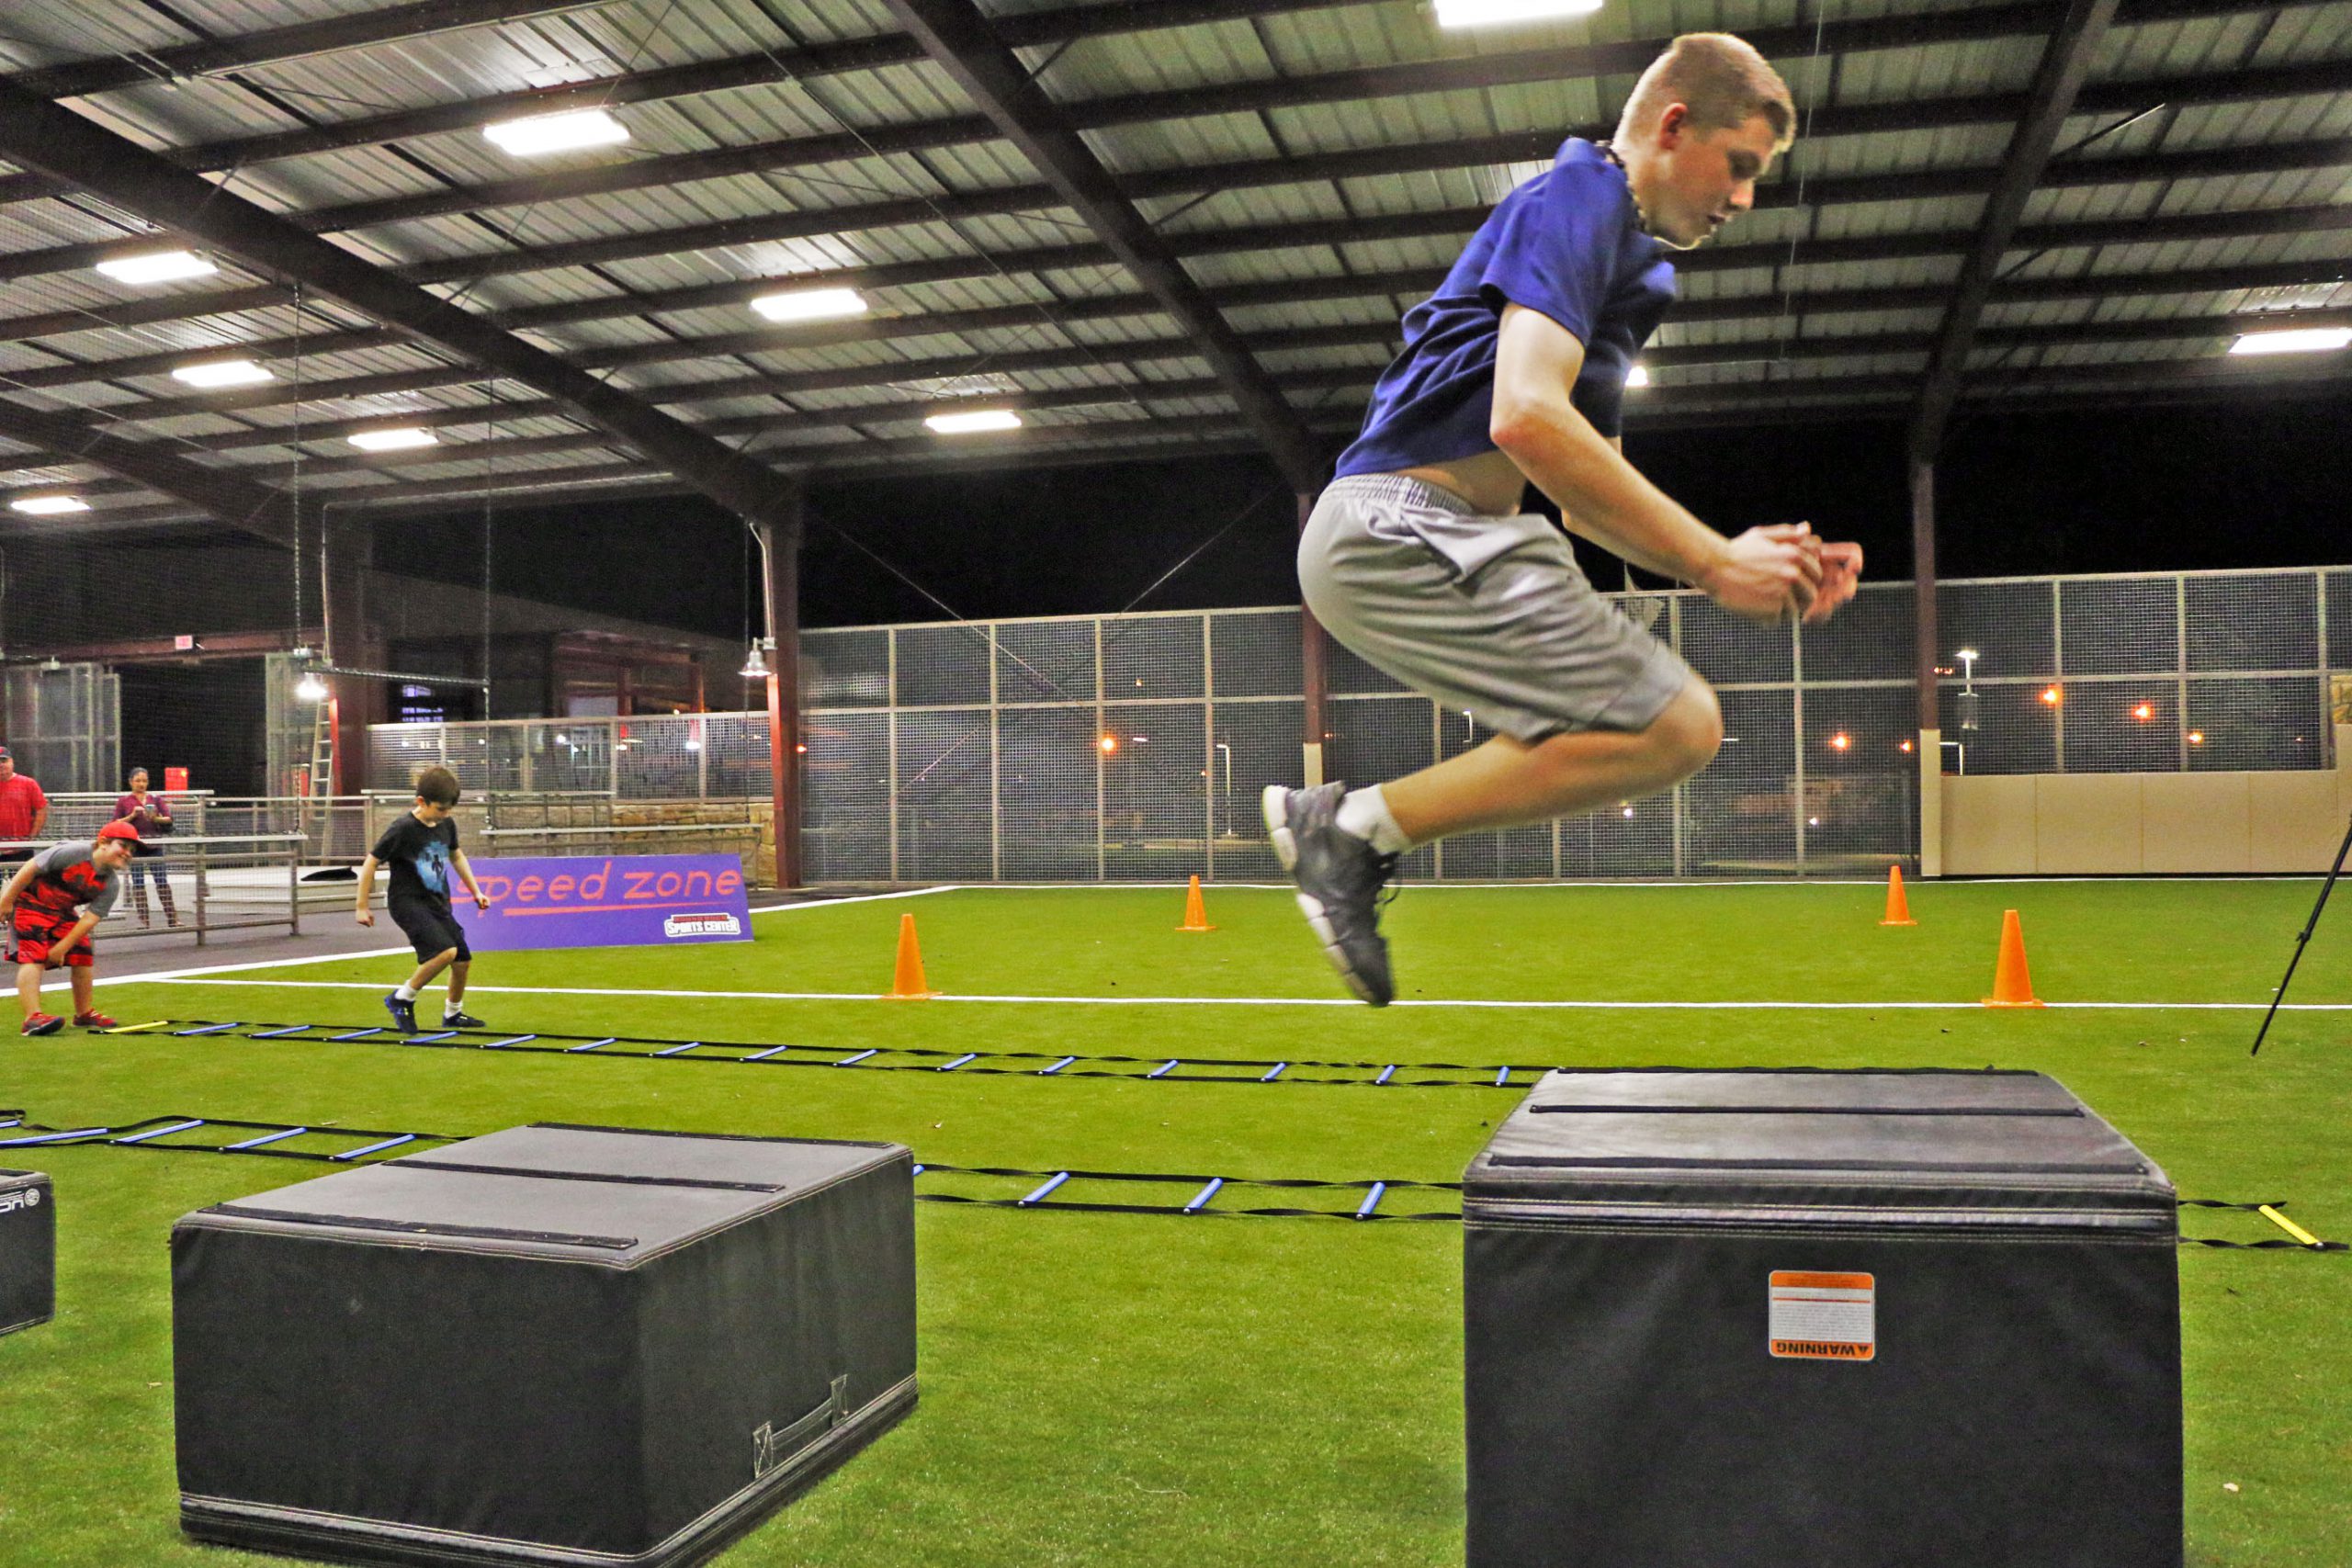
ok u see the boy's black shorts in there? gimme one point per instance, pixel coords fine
(430, 928)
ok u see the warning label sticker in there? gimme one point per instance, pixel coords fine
(1825, 1317)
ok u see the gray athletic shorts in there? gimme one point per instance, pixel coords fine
(1490, 615)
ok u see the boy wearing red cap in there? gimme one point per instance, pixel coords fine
(40, 904)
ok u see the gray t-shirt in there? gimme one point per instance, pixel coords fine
(66, 876)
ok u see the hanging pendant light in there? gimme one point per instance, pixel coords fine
(310, 688)
(756, 664)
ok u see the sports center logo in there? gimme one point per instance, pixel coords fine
(717, 924)
(12, 1201)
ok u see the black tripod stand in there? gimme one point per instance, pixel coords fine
(2303, 940)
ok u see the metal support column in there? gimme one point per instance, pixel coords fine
(779, 535)
(1932, 735)
(344, 561)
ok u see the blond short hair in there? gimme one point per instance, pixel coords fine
(1722, 79)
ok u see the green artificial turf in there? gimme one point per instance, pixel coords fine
(1134, 1390)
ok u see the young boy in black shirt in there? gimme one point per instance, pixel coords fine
(422, 849)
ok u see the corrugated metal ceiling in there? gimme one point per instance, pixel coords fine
(1232, 121)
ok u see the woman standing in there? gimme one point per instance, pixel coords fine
(153, 818)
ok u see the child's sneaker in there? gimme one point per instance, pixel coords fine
(403, 1011)
(461, 1020)
(93, 1019)
(43, 1023)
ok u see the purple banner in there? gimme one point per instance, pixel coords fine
(606, 901)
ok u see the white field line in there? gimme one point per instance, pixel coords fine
(194, 973)
(855, 899)
(1275, 1001)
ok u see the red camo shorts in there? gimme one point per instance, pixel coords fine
(36, 932)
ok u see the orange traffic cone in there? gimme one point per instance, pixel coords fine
(1898, 907)
(1196, 914)
(2012, 986)
(908, 986)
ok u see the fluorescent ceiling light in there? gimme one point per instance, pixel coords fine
(974, 420)
(157, 266)
(1639, 376)
(400, 440)
(50, 505)
(223, 373)
(2300, 340)
(1493, 13)
(811, 305)
(556, 132)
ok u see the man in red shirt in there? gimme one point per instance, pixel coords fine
(24, 810)
(40, 905)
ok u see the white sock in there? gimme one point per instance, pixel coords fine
(450, 1010)
(405, 993)
(1364, 814)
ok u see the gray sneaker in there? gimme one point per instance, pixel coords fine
(1340, 881)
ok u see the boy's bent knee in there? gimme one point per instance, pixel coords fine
(1689, 731)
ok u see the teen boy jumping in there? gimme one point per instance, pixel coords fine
(1419, 557)
(421, 846)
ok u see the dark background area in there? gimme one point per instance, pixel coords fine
(2253, 482)
(182, 715)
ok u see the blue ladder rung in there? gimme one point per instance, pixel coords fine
(357, 1033)
(917, 1171)
(1386, 1074)
(1276, 1073)
(371, 1148)
(854, 1060)
(1502, 1078)
(1163, 1070)
(770, 1051)
(967, 1057)
(1201, 1199)
(1054, 1181)
(517, 1040)
(429, 1039)
(207, 1028)
(607, 1040)
(52, 1137)
(679, 1049)
(159, 1132)
(1372, 1201)
(267, 1138)
(1057, 1066)
(279, 1034)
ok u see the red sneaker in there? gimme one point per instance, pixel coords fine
(93, 1019)
(43, 1023)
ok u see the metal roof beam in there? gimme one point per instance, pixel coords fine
(2057, 82)
(273, 46)
(958, 40)
(36, 133)
(1759, 256)
(2018, 18)
(1908, 114)
(224, 496)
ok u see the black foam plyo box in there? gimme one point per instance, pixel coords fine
(554, 1345)
(28, 1250)
(1774, 1319)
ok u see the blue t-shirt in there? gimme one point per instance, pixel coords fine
(1568, 244)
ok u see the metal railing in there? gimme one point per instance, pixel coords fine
(228, 882)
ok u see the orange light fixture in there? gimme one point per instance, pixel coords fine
(1904, 748)
(1109, 743)
(2050, 696)
(2144, 712)
(1841, 741)
(2196, 738)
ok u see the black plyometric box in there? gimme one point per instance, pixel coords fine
(28, 1250)
(1775, 1319)
(553, 1345)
